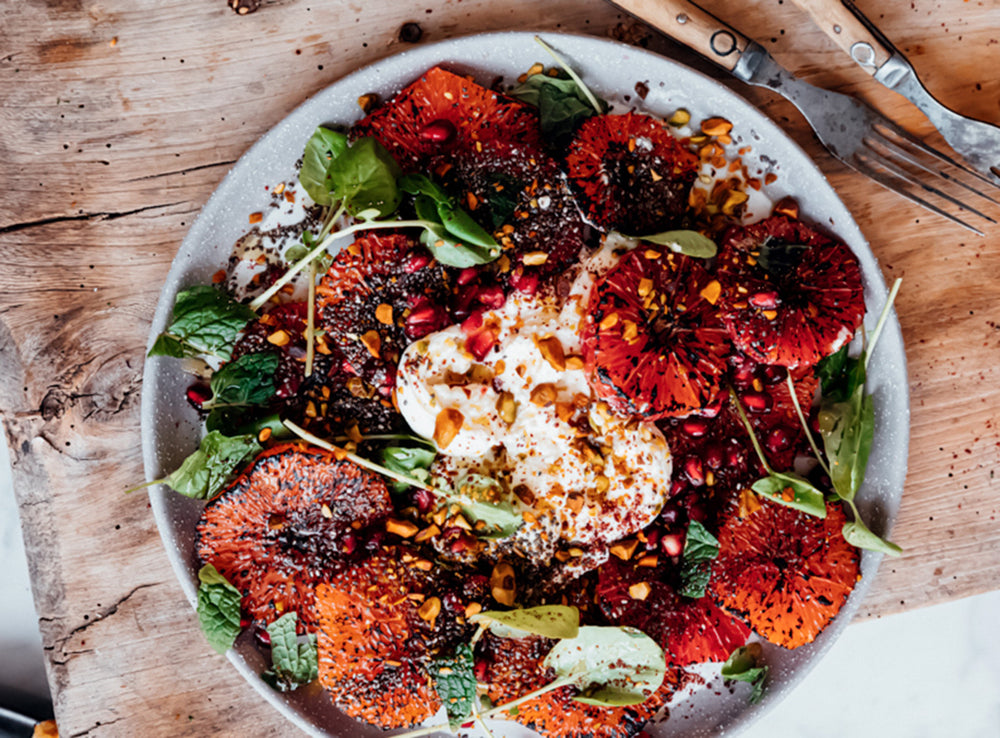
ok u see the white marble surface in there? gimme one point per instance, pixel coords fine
(923, 674)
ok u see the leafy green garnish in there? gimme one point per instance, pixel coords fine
(455, 682)
(483, 499)
(548, 621)
(700, 549)
(322, 149)
(450, 233)
(743, 665)
(207, 471)
(247, 381)
(218, 609)
(297, 252)
(689, 243)
(206, 322)
(411, 461)
(777, 258)
(857, 534)
(247, 421)
(364, 178)
(562, 105)
(294, 661)
(612, 666)
(784, 488)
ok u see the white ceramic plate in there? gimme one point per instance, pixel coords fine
(171, 429)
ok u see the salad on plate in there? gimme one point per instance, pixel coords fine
(511, 413)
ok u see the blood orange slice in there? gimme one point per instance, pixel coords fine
(786, 573)
(631, 173)
(284, 524)
(792, 295)
(654, 342)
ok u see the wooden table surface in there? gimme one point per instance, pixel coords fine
(119, 118)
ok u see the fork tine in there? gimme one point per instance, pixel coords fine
(888, 126)
(892, 184)
(898, 171)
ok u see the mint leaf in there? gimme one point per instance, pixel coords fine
(548, 621)
(218, 609)
(689, 243)
(207, 471)
(562, 104)
(294, 661)
(743, 666)
(408, 461)
(322, 149)
(206, 322)
(247, 381)
(450, 233)
(455, 681)
(612, 666)
(700, 550)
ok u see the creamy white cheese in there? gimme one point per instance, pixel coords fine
(579, 475)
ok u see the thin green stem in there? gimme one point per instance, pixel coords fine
(323, 245)
(882, 319)
(130, 490)
(359, 460)
(753, 436)
(805, 425)
(591, 98)
(311, 321)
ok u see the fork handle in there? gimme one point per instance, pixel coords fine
(686, 22)
(848, 31)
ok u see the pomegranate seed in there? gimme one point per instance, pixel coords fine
(425, 320)
(473, 323)
(778, 440)
(439, 131)
(467, 275)
(462, 544)
(480, 669)
(695, 427)
(417, 262)
(480, 344)
(424, 500)
(694, 471)
(774, 374)
(668, 516)
(766, 300)
(672, 544)
(735, 457)
(492, 297)
(698, 513)
(652, 538)
(245, 623)
(262, 635)
(744, 375)
(525, 283)
(676, 487)
(350, 543)
(714, 456)
(198, 394)
(757, 402)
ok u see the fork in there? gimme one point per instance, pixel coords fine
(853, 132)
(976, 141)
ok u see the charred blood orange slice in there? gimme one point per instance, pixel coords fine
(442, 114)
(376, 633)
(556, 713)
(654, 342)
(284, 524)
(511, 667)
(791, 294)
(786, 573)
(690, 631)
(631, 173)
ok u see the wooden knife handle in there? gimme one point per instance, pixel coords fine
(686, 22)
(848, 32)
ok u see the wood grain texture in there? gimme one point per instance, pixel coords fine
(119, 119)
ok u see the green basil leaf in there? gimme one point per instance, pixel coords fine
(208, 470)
(700, 549)
(205, 321)
(323, 147)
(294, 660)
(840, 375)
(407, 460)
(427, 210)
(218, 609)
(461, 225)
(455, 682)
(806, 497)
(689, 243)
(450, 252)
(247, 381)
(364, 177)
(743, 665)
(857, 534)
(419, 184)
(611, 666)
(483, 499)
(561, 104)
(548, 621)
(246, 421)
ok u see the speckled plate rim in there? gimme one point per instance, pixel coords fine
(170, 429)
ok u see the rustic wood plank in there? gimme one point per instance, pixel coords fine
(109, 149)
